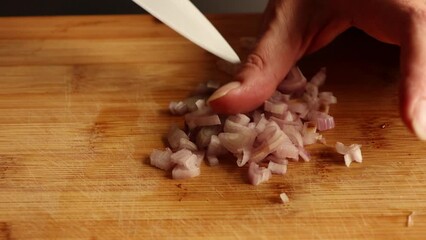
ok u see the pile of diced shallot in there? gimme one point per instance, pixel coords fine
(265, 139)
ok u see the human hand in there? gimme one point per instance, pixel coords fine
(293, 28)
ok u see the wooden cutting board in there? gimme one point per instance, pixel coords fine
(83, 101)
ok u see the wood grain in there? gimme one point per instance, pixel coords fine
(83, 102)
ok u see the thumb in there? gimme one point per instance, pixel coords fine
(276, 52)
(413, 88)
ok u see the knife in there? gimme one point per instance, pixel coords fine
(183, 17)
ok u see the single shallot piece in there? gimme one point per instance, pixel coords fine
(293, 83)
(180, 172)
(410, 219)
(351, 153)
(178, 108)
(161, 159)
(277, 168)
(174, 137)
(319, 78)
(185, 158)
(187, 164)
(284, 198)
(214, 150)
(258, 175)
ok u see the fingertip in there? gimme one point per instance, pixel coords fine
(224, 90)
(419, 120)
(224, 99)
(413, 86)
(226, 104)
(413, 110)
(253, 90)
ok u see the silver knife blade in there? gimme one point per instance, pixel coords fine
(183, 17)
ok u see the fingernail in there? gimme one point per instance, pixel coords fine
(419, 119)
(225, 89)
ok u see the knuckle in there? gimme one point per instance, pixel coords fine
(256, 60)
(417, 14)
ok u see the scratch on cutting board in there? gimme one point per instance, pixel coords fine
(249, 229)
(120, 210)
(67, 92)
(66, 27)
(363, 220)
(131, 231)
(343, 225)
(218, 193)
(38, 48)
(30, 173)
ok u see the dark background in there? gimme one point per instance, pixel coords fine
(84, 7)
(67, 7)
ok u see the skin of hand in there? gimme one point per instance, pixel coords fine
(294, 28)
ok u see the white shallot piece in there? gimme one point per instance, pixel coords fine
(351, 153)
(187, 164)
(284, 198)
(274, 134)
(178, 108)
(277, 168)
(161, 159)
(258, 175)
(410, 219)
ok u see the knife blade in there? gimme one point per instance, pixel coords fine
(183, 17)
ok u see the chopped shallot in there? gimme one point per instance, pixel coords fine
(294, 82)
(280, 97)
(319, 78)
(174, 137)
(290, 119)
(213, 160)
(184, 158)
(327, 98)
(214, 150)
(277, 168)
(278, 107)
(309, 133)
(178, 108)
(180, 172)
(202, 121)
(351, 153)
(185, 143)
(258, 175)
(187, 164)
(270, 140)
(275, 159)
(161, 159)
(294, 135)
(410, 219)
(287, 150)
(241, 119)
(233, 142)
(204, 135)
(261, 124)
(284, 198)
(298, 106)
(202, 116)
(304, 154)
(234, 127)
(325, 122)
